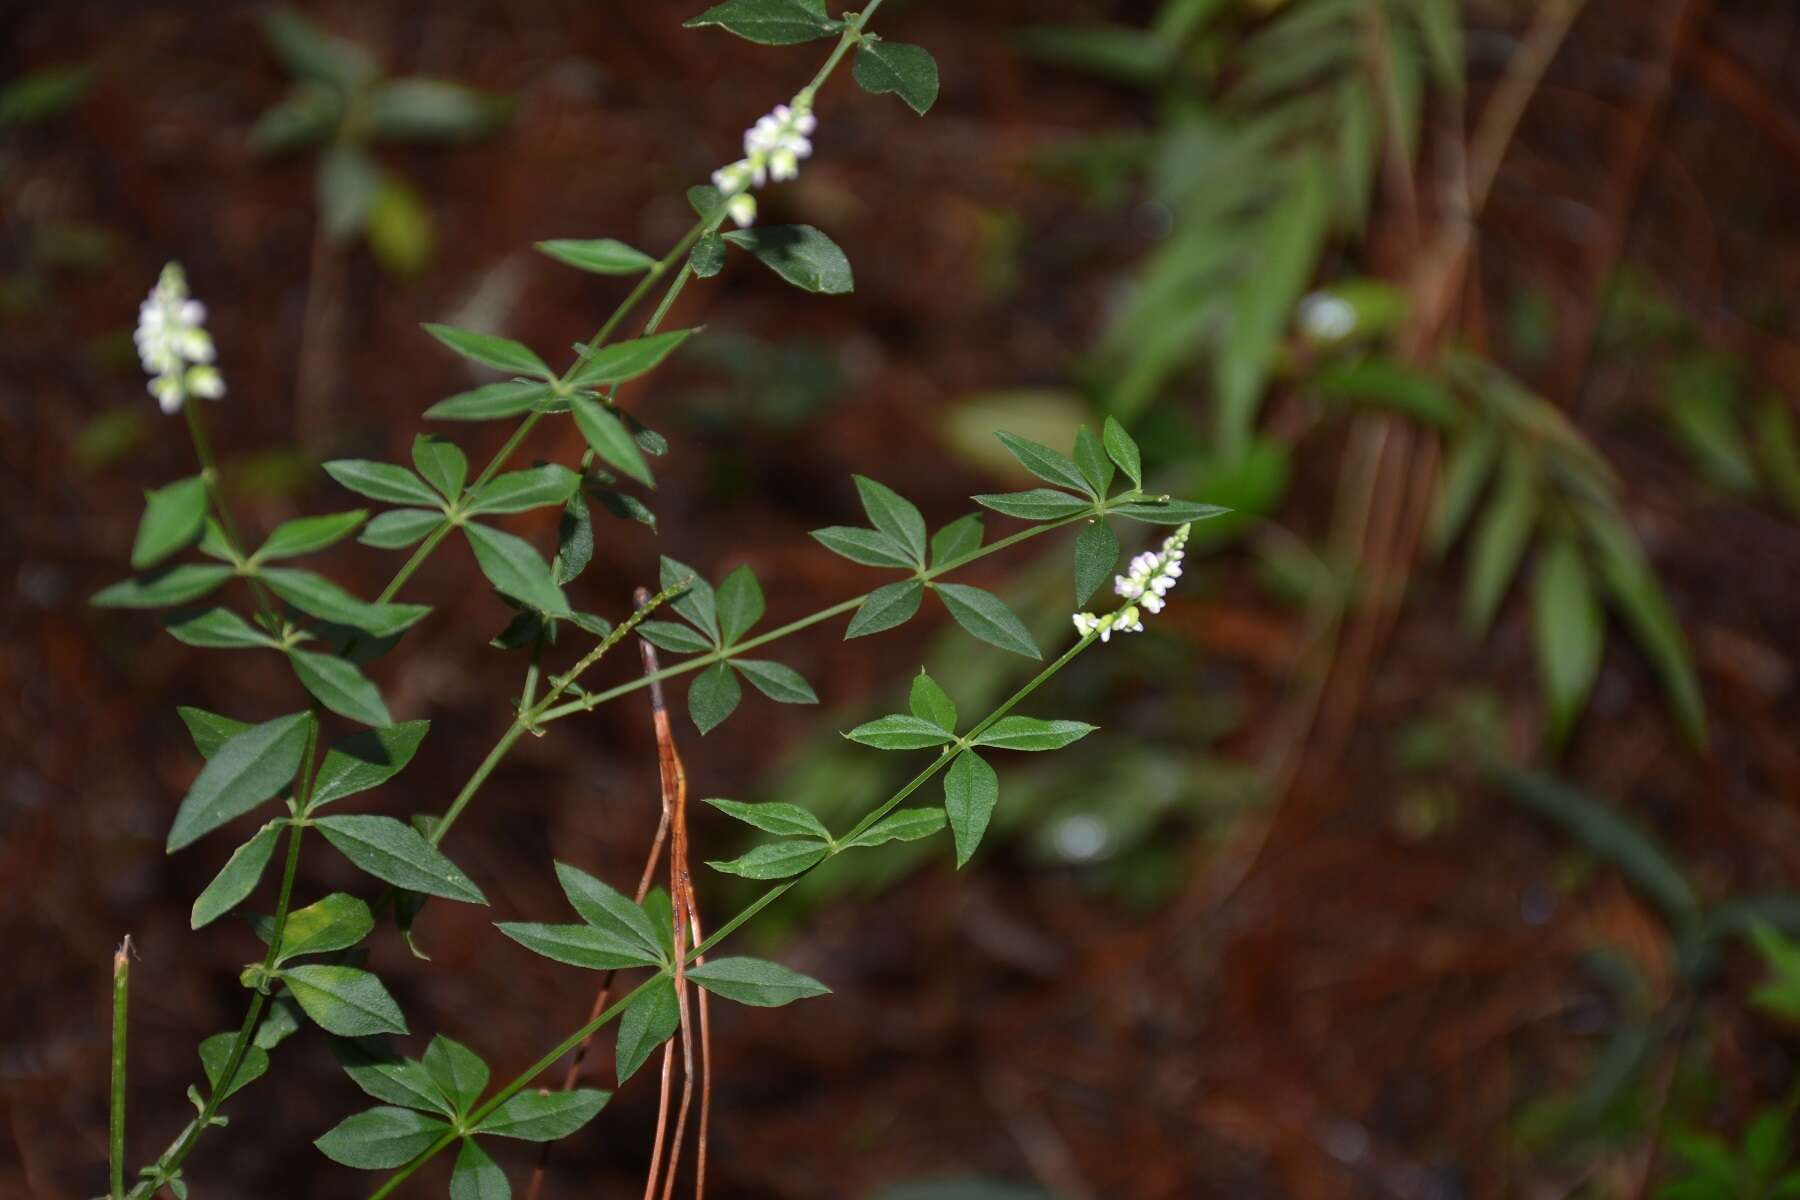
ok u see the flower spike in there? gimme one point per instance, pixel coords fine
(173, 344)
(1146, 582)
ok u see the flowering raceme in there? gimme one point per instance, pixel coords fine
(773, 148)
(1145, 583)
(173, 344)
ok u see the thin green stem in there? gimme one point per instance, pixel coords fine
(215, 494)
(121, 1001)
(480, 776)
(852, 35)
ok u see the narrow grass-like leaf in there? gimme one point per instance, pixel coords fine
(957, 540)
(929, 702)
(648, 1022)
(1029, 733)
(457, 1071)
(502, 354)
(774, 817)
(1038, 504)
(579, 945)
(610, 439)
(365, 760)
(1096, 554)
(985, 616)
(395, 853)
(756, 982)
(382, 481)
(777, 681)
(905, 825)
(340, 686)
(770, 22)
(607, 909)
(971, 790)
(799, 254)
(900, 732)
(515, 568)
(219, 629)
(399, 528)
(907, 71)
(344, 1000)
(1467, 467)
(621, 361)
(492, 401)
(869, 547)
(516, 491)
(775, 860)
(1645, 608)
(378, 1139)
(308, 535)
(238, 878)
(602, 256)
(180, 584)
(894, 515)
(533, 1116)
(173, 517)
(246, 770)
(740, 604)
(713, 696)
(1499, 542)
(1569, 631)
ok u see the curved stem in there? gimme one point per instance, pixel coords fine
(215, 494)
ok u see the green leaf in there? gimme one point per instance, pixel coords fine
(433, 110)
(1639, 596)
(602, 256)
(1467, 467)
(339, 685)
(579, 945)
(247, 769)
(344, 1000)
(516, 491)
(238, 878)
(545, 1116)
(394, 852)
(608, 910)
(957, 540)
(1123, 450)
(346, 186)
(971, 790)
(476, 1176)
(865, 546)
(514, 567)
(774, 817)
(335, 922)
(1029, 733)
(901, 732)
(1038, 504)
(215, 1055)
(399, 528)
(984, 616)
(708, 256)
(35, 96)
(310, 53)
(886, 607)
(574, 542)
(1046, 463)
(674, 637)
(441, 463)
(1168, 512)
(908, 71)
(775, 860)
(456, 1071)
(705, 200)
(173, 517)
(179, 584)
(610, 439)
(382, 481)
(697, 602)
(770, 22)
(378, 1139)
(373, 1066)
(308, 535)
(755, 982)
(739, 603)
(365, 760)
(1091, 460)
(209, 730)
(318, 596)
(1096, 554)
(502, 354)
(906, 825)
(929, 702)
(777, 681)
(1499, 542)
(895, 516)
(648, 1022)
(799, 254)
(219, 629)
(492, 401)
(614, 364)
(713, 696)
(1570, 633)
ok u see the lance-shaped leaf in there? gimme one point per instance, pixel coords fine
(756, 982)
(901, 732)
(799, 254)
(180, 584)
(1123, 450)
(382, 481)
(247, 769)
(971, 790)
(441, 463)
(514, 567)
(956, 541)
(907, 71)
(1569, 630)
(608, 909)
(1091, 460)
(340, 686)
(492, 401)
(869, 547)
(1499, 542)
(395, 853)
(894, 515)
(648, 1022)
(344, 1000)
(380, 1138)
(215, 1056)
(770, 22)
(238, 878)
(1168, 512)
(574, 541)
(1038, 504)
(906, 825)
(173, 517)
(399, 528)
(776, 860)
(365, 760)
(778, 681)
(1029, 733)
(317, 596)
(985, 616)
(1096, 554)
(209, 730)
(502, 354)
(887, 606)
(774, 817)
(219, 629)
(309, 535)
(579, 945)
(614, 364)
(713, 696)
(476, 1176)
(1047, 464)
(516, 491)
(456, 1071)
(610, 439)
(602, 256)
(929, 702)
(697, 603)
(373, 1066)
(534, 1116)
(739, 602)
(332, 923)
(674, 637)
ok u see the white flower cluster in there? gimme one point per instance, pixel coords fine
(1145, 583)
(176, 350)
(773, 148)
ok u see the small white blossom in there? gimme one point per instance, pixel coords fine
(173, 344)
(773, 148)
(1327, 318)
(1148, 579)
(742, 208)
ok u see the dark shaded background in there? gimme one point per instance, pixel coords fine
(1321, 1001)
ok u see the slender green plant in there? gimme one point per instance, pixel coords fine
(311, 968)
